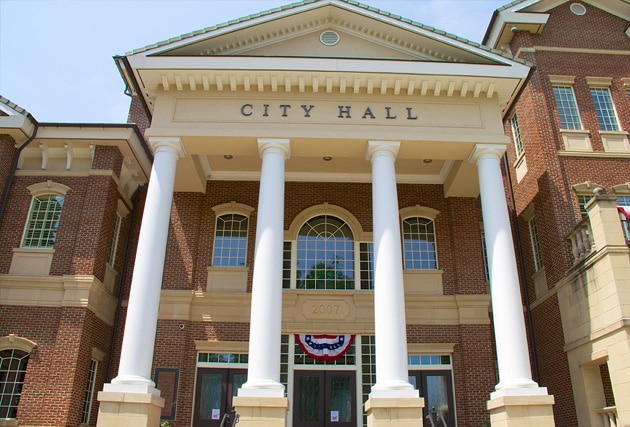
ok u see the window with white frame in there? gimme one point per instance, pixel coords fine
(535, 241)
(516, 135)
(325, 254)
(605, 109)
(12, 372)
(567, 107)
(230, 241)
(419, 249)
(43, 221)
(89, 392)
(113, 247)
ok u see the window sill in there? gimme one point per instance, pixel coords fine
(227, 279)
(576, 139)
(615, 141)
(31, 261)
(423, 282)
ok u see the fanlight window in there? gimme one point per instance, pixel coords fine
(325, 254)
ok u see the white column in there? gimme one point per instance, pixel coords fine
(263, 372)
(392, 377)
(515, 375)
(134, 373)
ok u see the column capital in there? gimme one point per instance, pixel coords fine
(167, 143)
(382, 147)
(280, 144)
(484, 151)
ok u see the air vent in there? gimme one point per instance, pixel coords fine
(578, 9)
(329, 38)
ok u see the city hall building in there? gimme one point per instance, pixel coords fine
(328, 215)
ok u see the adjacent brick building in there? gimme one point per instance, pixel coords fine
(295, 218)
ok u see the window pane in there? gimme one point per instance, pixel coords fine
(325, 254)
(341, 397)
(604, 108)
(43, 222)
(537, 252)
(567, 107)
(419, 244)
(12, 371)
(230, 243)
(516, 134)
(211, 387)
(436, 397)
(309, 398)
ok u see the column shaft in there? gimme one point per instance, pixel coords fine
(263, 373)
(392, 377)
(507, 305)
(144, 298)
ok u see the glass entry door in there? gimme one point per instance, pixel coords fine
(214, 392)
(324, 398)
(437, 389)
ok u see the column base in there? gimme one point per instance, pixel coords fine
(394, 411)
(121, 409)
(521, 410)
(261, 411)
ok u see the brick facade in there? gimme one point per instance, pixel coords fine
(66, 334)
(579, 46)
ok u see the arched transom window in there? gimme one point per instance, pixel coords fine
(325, 254)
(419, 243)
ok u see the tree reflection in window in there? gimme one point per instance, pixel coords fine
(325, 254)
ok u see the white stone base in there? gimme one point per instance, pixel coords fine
(120, 409)
(521, 411)
(394, 411)
(261, 411)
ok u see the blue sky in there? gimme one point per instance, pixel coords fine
(56, 55)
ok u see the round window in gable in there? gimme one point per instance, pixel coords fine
(578, 9)
(329, 38)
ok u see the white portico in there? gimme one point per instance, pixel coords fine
(269, 99)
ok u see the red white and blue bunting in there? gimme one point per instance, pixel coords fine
(325, 347)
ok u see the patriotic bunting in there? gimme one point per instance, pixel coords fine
(325, 347)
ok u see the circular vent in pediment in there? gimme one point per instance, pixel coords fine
(329, 38)
(578, 9)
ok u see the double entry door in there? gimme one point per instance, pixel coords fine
(324, 399)
(213, 394)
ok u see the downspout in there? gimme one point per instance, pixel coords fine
(521, 260)
(14, 165)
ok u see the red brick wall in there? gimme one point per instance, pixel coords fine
(191, 233)
(137, 115)
(57, 370)
(7, 153)
(552, 360)
(85, 227)
(549, 179)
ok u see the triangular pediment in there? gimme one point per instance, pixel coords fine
(361, 33)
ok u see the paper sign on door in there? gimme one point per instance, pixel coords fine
(334, 416)
(216, 414)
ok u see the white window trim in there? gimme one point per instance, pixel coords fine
(227, 209)
(418, 211)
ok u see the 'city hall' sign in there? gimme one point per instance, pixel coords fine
(462, 114)
(343, 111)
